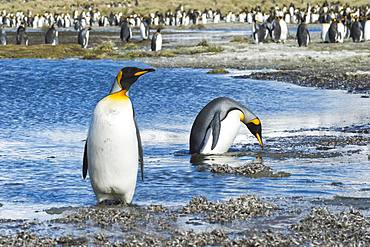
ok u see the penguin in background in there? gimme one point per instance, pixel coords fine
(325, 25)
(260, 32)
(77, 26)
(362, 22)
(333, 32)
(126, 32)
(3, 38)
(325, 32)
(356, 31)
(21, 37)
(113, 149)
(284, 30)
(367, 29)
(342, 30)
(348, 24)
(51, 36)
(83, 37)
(275, 30)
(303, 35)
(144, 29)
(157, 41)
(217, 125)
(204, 17)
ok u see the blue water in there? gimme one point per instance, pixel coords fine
(46, 106)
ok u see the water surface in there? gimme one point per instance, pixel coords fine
(46, 106)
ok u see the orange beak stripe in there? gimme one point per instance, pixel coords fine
(140, 73)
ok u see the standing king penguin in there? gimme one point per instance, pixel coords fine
(356, 31)
(303, 35)
(3, 39)
(113, 147)
(367, 29)
(144, 29)
(83, 37)
(126, 32)
(259, 32)
(156, 44)
(333, 32)
(51, 36)
(21, 37)
(284, 30)
(342, 30)
(276, 30)
(325, 32)
(217, 125)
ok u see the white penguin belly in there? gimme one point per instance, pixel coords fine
(158, 44)
(284, 30)
(325, 32)
(112, 149)
(308, 40)
(229, 129)
(367, 30)
(142, 31)
(341, 32)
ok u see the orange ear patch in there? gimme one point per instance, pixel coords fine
(255, 121)
(119, 78)
(242, 117)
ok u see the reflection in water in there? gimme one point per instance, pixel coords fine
(230, 158)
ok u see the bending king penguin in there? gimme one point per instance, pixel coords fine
(217, 125)
(113, 148)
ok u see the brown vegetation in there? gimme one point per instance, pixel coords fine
(147, 6)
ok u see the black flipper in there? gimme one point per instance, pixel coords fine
(216, 126)
(85, 164)
(141, 155)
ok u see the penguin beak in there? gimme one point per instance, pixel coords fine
(144, 71)
(255, 128)
(259, 138)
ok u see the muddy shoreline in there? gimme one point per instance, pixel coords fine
(244, 220)
(330, 66)
(200, 223)
(356, 82)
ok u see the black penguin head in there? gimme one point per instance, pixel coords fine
(129, 75)
(255, 128)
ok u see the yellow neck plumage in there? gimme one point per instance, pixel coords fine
(121, 95)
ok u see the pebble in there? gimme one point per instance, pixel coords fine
(347, 228)
(239, 208)
(26, 239)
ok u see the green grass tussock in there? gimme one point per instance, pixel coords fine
(218, 71)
